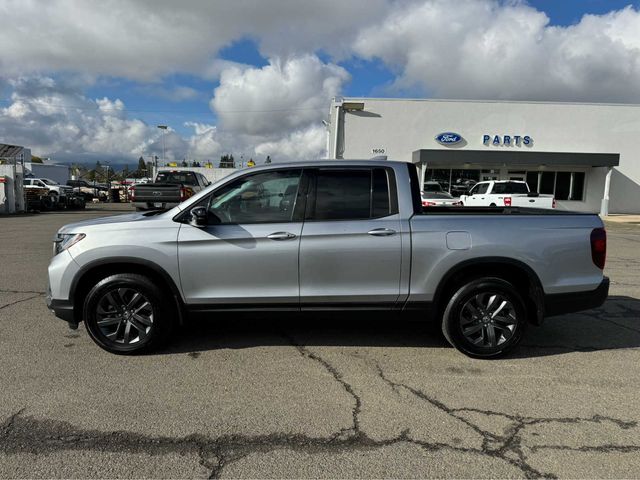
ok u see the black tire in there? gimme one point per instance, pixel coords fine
(118, 324)
(467, 324)
(493, 205)
(46, 202)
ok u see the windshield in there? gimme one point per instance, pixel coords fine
(186, 178)
(46, 181)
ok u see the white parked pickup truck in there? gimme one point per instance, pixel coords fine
(505, 193)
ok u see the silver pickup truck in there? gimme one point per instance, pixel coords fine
(327, 235)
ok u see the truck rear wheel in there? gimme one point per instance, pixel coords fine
(485, 318)
(127, 313)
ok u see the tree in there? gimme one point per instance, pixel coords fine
(36, 159)
(268, 160)
(184, 162)
(141, 164)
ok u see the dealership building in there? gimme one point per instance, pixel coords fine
(587, 155)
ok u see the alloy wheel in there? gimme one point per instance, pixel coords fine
(124, 316)
(488, 320)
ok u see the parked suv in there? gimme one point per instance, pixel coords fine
(54, 188)
(327, 235)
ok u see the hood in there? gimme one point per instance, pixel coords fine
(116, 219)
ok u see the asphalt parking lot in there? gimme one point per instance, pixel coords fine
(327, 397)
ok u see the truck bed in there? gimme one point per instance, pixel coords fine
(443, 210)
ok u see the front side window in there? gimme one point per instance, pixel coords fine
(268, 197)
(480, 189)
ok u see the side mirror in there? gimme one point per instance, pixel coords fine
(198, 217)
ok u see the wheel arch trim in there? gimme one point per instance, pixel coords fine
(535, 294)
(124, 260)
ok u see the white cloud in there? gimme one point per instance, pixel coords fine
(174, 94)
(306, 144)
(282, 96)
(51, 116)
(486, 49)
(146, 39)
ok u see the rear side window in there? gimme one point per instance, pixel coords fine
(510, 187)
(352, 194)
(520, 188)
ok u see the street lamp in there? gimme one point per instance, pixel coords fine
(164, 129)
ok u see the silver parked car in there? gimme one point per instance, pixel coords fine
(327, 235)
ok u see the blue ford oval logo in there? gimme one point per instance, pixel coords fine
(448, 138)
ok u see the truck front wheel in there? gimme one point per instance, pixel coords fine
(485, 318)
(127, 313)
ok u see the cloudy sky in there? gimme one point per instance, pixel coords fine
(85, 80)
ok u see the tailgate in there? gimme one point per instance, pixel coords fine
(533, 202)
(161, 193)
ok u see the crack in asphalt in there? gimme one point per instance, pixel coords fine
(20, 301)
(500, 446)
(305, 352)
(23, 291)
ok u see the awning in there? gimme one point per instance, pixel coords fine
(448, 158)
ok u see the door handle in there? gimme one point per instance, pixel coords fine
(281, 236)
(381, 232)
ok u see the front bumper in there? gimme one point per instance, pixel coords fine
(561, 303)
(63, 309)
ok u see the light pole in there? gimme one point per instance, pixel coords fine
(107, 167)
(164, 129)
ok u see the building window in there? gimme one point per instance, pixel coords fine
(577, 186)
(456, 182)
(547, 182)
(563, 185)
(532, 181)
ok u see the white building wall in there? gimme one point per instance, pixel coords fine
(398, 127)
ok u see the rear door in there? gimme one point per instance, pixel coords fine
(350, 250)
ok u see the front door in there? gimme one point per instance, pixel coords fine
(350, 252)
(477, 195)
(248, 253)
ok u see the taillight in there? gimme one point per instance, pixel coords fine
(132, 193)
(599, 247)
(553, 203)
(507, 201)
(428, 204)
(185, 192)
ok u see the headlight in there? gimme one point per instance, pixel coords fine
(66, 240)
